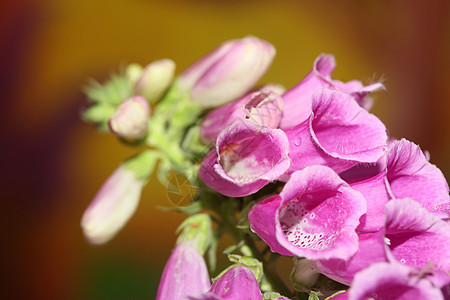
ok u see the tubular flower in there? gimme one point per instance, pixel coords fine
(338, 134)
(264, 108)
(297, 221)
(246, 158)
(228, 72)
(297, 101)
(130, 120)
(185, 274)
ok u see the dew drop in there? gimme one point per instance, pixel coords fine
(298, 142)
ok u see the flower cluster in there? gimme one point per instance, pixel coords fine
(307, 173)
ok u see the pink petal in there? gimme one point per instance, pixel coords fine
(371, 249)
(416, 237)
(411, 175)
(391, 281)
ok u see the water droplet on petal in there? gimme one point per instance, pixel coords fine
(298, 142)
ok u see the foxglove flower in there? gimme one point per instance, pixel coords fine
(263, 108)
(185, 274)
(155, 79)
(338, 134)
(297, 101)
(314, 216)
(232, 285)
(392, 281)
(412, 236)
(130, 120)
(246, 158)
(411, 175)
(228, 72)
(113, 206)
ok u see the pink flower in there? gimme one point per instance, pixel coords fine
(246, 158)
(263, 108)
(185, 274)
(297, 101)
(411, 236)
(228, 72)
(314, 216)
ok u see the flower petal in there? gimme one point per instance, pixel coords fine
(371, 249)
(416, 237)
(411, 175)
(344, 130)
(391, 281)
(263, 108)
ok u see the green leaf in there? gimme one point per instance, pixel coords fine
(113, 92)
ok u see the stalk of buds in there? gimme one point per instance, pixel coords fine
(307, 173)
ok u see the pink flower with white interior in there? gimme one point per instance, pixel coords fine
(314, 216)
(246, 158)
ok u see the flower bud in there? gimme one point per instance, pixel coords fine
(155, 79)
(114, 204)
(185, 274)
(228, 72)
(232, 285)
(304, 273)
(130, 120)
(117, 199)
(197, 230)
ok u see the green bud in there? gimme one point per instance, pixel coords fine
(197, 229)
(133, 72)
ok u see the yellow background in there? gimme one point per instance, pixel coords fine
(52, 164)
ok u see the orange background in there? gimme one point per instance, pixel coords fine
(52, 164)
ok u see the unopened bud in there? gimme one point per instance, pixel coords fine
(130, 120)
(155, 79)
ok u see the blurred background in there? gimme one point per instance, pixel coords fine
(52, 164)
